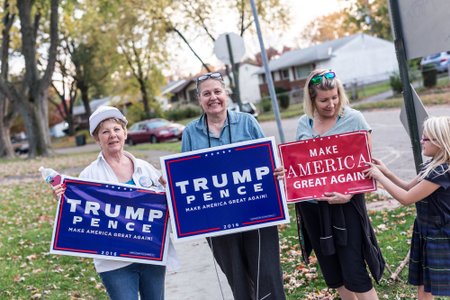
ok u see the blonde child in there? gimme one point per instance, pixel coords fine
(429, 266)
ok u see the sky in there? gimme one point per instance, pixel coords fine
(302, 12)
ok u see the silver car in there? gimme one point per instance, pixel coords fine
(439, 60)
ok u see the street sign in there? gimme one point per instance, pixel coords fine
(236, 45)
(425, 26)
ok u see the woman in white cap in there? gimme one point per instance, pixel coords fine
(123, 280)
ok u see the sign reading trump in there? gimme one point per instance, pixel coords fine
(111, 221)
(224, 189)
(326, 164)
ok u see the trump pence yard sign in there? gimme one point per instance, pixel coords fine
(326, 164)
(224, 189)
(111, 221)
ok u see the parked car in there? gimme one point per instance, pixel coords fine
(154, 131)
(440, 60)
(247, 107)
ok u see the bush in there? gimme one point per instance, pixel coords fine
(266, 104)
(429, 75)
(396, 83)
(283, 97)
(183, 112)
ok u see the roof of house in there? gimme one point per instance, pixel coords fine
(94, 104)
(312, 54)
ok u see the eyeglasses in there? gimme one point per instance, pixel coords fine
(317, 79)
(215, 75)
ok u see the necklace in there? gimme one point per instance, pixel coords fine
(207, 129)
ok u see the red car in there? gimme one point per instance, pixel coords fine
(154, 131)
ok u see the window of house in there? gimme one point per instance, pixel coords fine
(284, 74)
(262, 78)
(301, 72)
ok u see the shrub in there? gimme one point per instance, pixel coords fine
(283, 97)
(266, 104)
(183, 112)
(396, 83)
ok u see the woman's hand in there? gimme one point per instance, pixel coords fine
(58, 190)
(335, 198)
(279, 173)
(162, 181)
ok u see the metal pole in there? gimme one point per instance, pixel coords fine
(270, 85)
(235, 71)
(407, 92)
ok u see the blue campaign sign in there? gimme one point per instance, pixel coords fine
(111, 221)
(224, 189)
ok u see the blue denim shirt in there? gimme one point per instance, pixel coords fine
(244, 127)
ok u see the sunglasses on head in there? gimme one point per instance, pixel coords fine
(215, 75)
(317, 79)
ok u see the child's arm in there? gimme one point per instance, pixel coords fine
(416, 193)
(392, 177)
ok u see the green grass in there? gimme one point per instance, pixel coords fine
(28, 271)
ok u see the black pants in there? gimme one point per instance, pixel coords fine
(238, 254)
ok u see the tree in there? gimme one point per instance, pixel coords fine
(30, 97)
(208, 17)
(361, 16)
(7, 113)
(371, 17)
(86, 58)
(141, 39)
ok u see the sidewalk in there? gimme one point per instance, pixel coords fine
(196, 279)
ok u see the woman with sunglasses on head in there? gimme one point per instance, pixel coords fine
(250, 259)
(334, 226)
(429, 264)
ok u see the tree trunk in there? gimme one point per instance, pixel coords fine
(84, 91)
(7, 114)
(32, 103)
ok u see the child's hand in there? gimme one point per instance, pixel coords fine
(58, 190)
(380, 165)
(279, 173)
(335, 198)
(373, 171)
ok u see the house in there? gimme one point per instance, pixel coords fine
(184, 91)
(358, 59)
(81, 119)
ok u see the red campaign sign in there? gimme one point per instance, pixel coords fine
(326, 164)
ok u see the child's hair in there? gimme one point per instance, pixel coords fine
(437, 129)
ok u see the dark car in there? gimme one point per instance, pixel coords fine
(154, 131)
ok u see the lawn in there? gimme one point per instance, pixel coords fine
(28, 271)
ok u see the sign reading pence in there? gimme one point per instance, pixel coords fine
(326, 164)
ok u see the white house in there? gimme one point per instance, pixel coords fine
(357, 59)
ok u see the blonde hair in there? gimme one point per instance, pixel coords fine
(310, 92)
(437, 129)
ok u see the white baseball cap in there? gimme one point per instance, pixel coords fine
(102, 113)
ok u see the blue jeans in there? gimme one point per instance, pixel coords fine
(133, 280)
